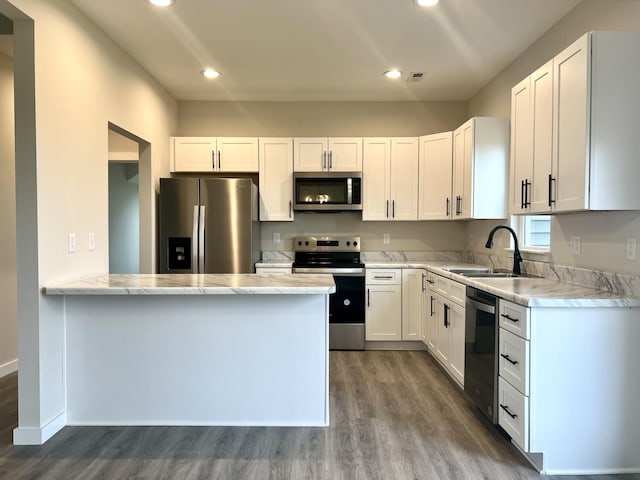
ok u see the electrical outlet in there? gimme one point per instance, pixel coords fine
(71, 242)
(386, 238)
(631, 248)
(92, 241)
(574, 244)
(276, 237)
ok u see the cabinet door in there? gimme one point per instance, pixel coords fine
(276, 179)
(457, 328)
(571, 126)
(310, 154)
(237, 154)
(431, 316)
(413, 291)
(404, 178)
(542, 113)
(375, 178)
(193, 154)
(384, 312)
(521, 146)
(345, 154)
(463, 170)
(436, 170)
(443, 333)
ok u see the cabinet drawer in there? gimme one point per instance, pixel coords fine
(442, 285)
(273, 270)
(383, 275)
(515, 318)
(514, 361)
(457, 292)
(513, 413)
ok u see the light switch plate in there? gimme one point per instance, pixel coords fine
(574, 244)
(386, 238)
(92, 241)
(71, 242)
(276, 237)
(631, 248)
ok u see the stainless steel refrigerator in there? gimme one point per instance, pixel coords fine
(208, 225)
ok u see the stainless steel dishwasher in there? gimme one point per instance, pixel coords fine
(481, 345)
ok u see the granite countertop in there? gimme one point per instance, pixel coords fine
(187, 284)
(527, 291)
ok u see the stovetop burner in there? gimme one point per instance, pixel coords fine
(327, 252)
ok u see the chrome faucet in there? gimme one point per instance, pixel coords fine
(517, 258)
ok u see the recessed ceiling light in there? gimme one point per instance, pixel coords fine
(393, 73)
(426, 3)
(210, 73)
(161, 3)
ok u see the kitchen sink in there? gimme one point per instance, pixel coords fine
(487, 273)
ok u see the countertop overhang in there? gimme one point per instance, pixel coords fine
(195, 284)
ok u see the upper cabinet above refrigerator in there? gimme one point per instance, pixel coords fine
(214, 154)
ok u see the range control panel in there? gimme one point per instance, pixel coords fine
(327, 244)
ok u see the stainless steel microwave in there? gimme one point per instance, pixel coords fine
(327, 191)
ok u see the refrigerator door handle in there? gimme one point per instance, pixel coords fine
(201, 245)
(194, 236)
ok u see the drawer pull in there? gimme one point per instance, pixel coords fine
(506, 409)
(514, 320)
(431, 282)
(506, 357)
(388, 277)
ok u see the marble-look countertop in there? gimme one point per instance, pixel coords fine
(204, 284)
(274, 264)
(527, 291)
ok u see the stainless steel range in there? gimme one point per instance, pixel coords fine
(340, 257)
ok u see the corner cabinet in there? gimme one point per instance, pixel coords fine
(575, 145)
(213, 154)
(276, 179)
(436, 170)
(390, 179)
(339, 154)
(480, 162)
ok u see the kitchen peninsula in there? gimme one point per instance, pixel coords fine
(197, 349)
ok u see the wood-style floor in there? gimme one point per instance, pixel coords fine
(394, 415)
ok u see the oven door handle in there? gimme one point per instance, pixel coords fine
(483, 307)
(356, 272)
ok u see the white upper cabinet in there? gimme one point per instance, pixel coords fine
(340, 154)
(211, 154)
(390, 179)
(276, 179)
(436, 170)
(582, 141)
(480, 159)
(531, 146)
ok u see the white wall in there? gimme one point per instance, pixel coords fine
(82, 82)
(8, 285)
(124, 225)
(603, 235)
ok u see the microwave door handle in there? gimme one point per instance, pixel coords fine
(349, 190)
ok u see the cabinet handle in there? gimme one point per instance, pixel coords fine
(219, 155)
(551, 180)
(424, 288)
(521, 194)
(446, 316)
(388, 277)
(290, 209)
(368, 297)
(393, 208)
(447, 207)
(527, 200)
(458, 205)
(506, 357)
(330, 159)
(387, 208)
(506, 409)
(213, 159)
(431, 312)
(324, 160)
(429, 281)
(514, 320)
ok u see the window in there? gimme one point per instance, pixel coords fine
(534, 231)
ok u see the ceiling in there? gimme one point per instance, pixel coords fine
(324, 50)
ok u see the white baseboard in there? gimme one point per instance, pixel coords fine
(37, 436)
(8, 368)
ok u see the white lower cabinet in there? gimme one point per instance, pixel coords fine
(413, 290)
(445, 312)
(383, 318)
(513, 413)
